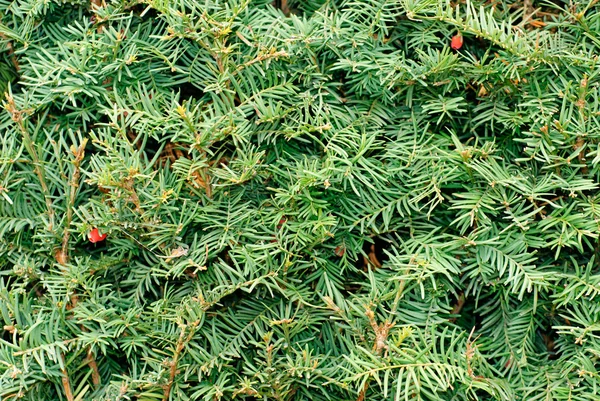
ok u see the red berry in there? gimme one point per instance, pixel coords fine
(95, 236)
(457, 41)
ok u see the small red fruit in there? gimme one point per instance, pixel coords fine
(95, 236)
(457, 41)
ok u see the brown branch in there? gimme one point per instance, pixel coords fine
(62, 257)
(11, 52)
(66, 382)
(373, 257)
(173, 372)
(470, 353)
(94, 6)
(200, 180)
(91, 361)
(370, 261)
(132, 137)
(458, 306)
(17, 117)
(128, 185)
(528, 10)
(361, 395)
(381, 331)
(283, 6)
(580, 143)
(181, 342)
(262, 57)
(381, 334)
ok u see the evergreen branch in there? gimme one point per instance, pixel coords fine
(66, 381)
(91, 361)
(17, 117)
(315, 202)
(79, 153)
(179, 346)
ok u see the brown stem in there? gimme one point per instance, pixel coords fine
(91, 360)
(173, 372)
(178, 348)
(581, 155)
(200, 179)
(381, 334)
(261, 57)
(458, 306)
(361, 395)
(74, 184)
(66, 383)
(283, 6)
(381, 331)
(17, 117)
(470, 353)
(527, 10)
(373, 257)
(11, 52)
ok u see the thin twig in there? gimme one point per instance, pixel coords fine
(17, 117)
(458, 306)
(173, 153)
(470, 353)
(361, 395)
(11, 52)
(90, 359)
(35, 349)
(373, 258)
(381, 334)
(173, 372)
(74, 184)
(181, 342)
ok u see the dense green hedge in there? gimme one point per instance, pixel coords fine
(304, 200)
